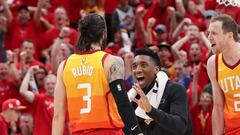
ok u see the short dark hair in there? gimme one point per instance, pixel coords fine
(228, 24)
(23, 7)
(148, 52)
(92, 29)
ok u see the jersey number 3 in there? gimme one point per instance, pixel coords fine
(86, 98)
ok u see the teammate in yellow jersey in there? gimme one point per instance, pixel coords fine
(224, 73)
(90, 86)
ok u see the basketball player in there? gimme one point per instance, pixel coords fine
(224, 73)
(90, 86)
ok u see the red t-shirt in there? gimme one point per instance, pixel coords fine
(197, 19)
(230, 10)
(3, 126)
(53, 33)
(152, 11)
(43, 114)
(7, 90)
(198, 116)
(110, 6)
(74, 13)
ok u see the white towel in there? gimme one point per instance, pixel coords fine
(154, 95)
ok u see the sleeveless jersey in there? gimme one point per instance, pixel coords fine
(89, 100)
(228, 78)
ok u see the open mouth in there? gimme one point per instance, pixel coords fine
(140, 79)
(213, 45)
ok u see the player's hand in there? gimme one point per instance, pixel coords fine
(143, 102)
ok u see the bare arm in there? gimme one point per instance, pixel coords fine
(7, 11)
(148, 35)
(37, 13)
(180, 6)
(114, 70)
(218, 99)
(177, 45)
(59, 104)
(180, 27)
(140, 24)
(207, 43)
(24, 88)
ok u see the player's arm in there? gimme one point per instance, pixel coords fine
(114, 70)
(218, 99)
(59, 104)
(24, 88)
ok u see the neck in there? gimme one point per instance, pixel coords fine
(149, 87)
(95, 47)
(5, 117)
(228, 52)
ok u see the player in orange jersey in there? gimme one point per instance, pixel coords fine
(90, 86)
(224, 73)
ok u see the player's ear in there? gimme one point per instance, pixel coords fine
(156, 69)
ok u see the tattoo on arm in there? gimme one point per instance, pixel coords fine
(116, 70)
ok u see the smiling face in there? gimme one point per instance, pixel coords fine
(49, 84)
(144, 70)
(216, 36)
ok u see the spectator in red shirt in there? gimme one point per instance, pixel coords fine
(27, 57)
(201, 113)
(8, 83)
(42, 103)
(61, 19)
(9, 115)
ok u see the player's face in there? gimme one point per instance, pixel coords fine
(144, 70)
(216, 36)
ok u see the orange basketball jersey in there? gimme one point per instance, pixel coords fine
(89, 100)
(229, 80)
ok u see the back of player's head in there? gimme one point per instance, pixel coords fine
(228, 24)
(93, 30)
(148, 52)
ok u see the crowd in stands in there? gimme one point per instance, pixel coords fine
(36, 35)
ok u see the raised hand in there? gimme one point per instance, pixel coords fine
(143, 102)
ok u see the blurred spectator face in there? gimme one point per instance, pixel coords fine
(60, 15)
(24, 16)
(193, 31)
(26, 124)
(192, 8)
(64, 51)
(144, 70)
(3, 71)
(49, 84)
(182, 56)
(40, 74)
(13, 115)
(28, 47)
(178, 69)
(195, 52)
(91, 3)
(205, 99)
(123, 2)
(161, 36)
(117, 37)
(164, 53)
(147, 2)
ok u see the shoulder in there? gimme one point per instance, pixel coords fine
(111, 59)
(175, 88)
(211, 66)
(114, 68)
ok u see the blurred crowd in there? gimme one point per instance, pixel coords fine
(36, 35)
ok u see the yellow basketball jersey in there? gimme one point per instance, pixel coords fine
(229, 80)
(90, 102)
